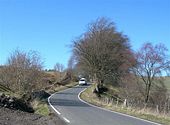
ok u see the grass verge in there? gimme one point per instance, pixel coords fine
(41, 107)
(88, 96)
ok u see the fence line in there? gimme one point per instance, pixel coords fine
(116, 101)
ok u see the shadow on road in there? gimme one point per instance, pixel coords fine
(69, 97)
(66, 102)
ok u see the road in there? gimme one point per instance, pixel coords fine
(75, 112)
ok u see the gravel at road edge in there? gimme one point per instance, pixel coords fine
(15, 117)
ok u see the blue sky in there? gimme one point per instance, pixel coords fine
(49, 26)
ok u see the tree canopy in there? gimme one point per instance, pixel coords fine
(103, 52)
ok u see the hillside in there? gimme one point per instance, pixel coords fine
(167, 82)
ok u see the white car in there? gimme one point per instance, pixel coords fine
(82, 81)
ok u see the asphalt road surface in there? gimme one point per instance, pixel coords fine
(75, 112)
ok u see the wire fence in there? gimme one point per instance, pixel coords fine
(161, 108)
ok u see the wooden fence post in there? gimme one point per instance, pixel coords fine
(125, 103)
(157, 109)
(117, 102)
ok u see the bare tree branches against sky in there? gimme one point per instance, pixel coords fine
(49, 26)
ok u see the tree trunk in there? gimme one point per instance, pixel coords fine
(98, 86)
(147, 93)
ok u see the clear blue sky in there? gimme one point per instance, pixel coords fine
(49, 26)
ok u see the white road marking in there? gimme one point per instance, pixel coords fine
(66, 120)
(95, 107)
(53, 106)
(113, 111)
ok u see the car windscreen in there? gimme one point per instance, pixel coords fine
(82, 80)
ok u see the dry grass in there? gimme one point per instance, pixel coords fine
(61, 87)
(40, 107)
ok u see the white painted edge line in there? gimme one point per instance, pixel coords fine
(52, 105)
(66, 120)
(113, 111)
(55, 108)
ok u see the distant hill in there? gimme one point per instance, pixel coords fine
(167, 82)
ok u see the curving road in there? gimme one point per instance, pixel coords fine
(75, 112)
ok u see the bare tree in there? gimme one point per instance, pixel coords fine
(71, 63)
(5, 75)
(152, 62)
(103, 52)
(59, 68)
(22, 72)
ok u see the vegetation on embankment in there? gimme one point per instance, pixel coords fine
(38, 98)
(41, 107)
(39, 101)
(62, 87)
(23, 78)
(147, 114)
